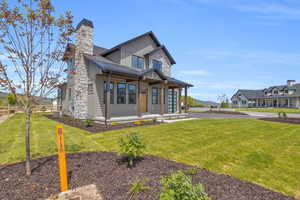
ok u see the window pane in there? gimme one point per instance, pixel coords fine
(132, 94)
(121, 93)
(155, 96)
(137, 62)
(157, 65)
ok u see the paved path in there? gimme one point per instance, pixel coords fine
(201, 115)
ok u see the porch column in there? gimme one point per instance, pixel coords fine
(107, 99)
(288, 104)
(179, 97)
(139, 113)
(277, 103)
(185, 99)
(162, 97)
(256, 103)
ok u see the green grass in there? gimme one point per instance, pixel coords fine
(272, 110)
(266, 153)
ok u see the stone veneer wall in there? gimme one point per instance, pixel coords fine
(84, 45)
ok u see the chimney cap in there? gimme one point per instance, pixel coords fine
(85, 22)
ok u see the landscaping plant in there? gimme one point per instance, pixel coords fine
(178, 186)
(137, 187)
(132, 147)
(284, 115)
(88, 122)
(279, 114)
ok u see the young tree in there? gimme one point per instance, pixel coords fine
(32, 40)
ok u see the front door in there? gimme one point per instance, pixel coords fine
(144, 100)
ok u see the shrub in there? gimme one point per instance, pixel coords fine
(137, 187)
(137, 122)
(191, 171)
(88, 122)
(132, 147)
(284, 115)
(279, 114)
(114, 123)
(178, 186)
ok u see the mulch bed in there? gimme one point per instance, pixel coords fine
(224, 112)
(283, 120)
(97, 127)
(113, 179)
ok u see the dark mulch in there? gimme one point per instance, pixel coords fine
(283, 120)
(113, 179)
(96, 127)
(225, 112)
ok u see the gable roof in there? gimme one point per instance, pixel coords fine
(251, 94)
(166, 52)
(110, 67)
(153, 37)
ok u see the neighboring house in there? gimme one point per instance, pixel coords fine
(138, 72)
(287, 96)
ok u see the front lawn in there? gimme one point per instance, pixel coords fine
(271, 110)
(266, 153)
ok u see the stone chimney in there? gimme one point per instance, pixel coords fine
(291, 82)
(84, 45)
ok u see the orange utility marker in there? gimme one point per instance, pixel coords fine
(62, 158)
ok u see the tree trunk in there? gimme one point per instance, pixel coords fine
(27, 146)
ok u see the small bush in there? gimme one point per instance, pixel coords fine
(88, 122)
(137, 187)
(279, 114)
(284, 115)
(138, 122)
(132, 147)
(178, 186)
(114, 123)
(191, 171)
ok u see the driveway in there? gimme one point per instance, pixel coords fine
(268, 114)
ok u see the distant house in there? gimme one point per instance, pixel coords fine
(134, 77)
(285, 96)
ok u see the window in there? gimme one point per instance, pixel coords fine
(155, 96)
(244, 102)
(111, 87)
(90, 89)
(286, 91)
(121, 93)
(138, 62)
(157, 65)
(276, 92)
(131, 94)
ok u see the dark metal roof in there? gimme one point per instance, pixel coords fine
(97, 50)
(260, 94)
(110, 67)
(85, 22)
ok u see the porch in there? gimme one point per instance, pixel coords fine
(135, 94)
(276, 102)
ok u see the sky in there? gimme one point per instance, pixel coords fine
(219, 45)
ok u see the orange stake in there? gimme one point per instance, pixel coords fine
(62, 158)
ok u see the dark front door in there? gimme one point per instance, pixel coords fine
(172, 101)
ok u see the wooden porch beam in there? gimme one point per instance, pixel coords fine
(139, 113)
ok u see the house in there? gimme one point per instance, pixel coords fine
(135, 77)
(286, 96)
